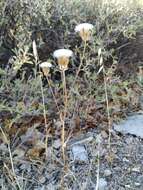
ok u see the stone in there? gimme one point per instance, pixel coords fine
(57, 143)
(128, 186)
(132, 125)
(82, 139)
(79, 153)
(136, 169)
(129, 140)
(42, 179)
(104, 134)
(140, 179)
(137, 184)
(125, 160)
(107, 172)
(102, 184)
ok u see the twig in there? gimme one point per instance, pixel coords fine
(108, 112)
(79, 68)
(53, 94)
(63, 117)
(11, 159)
(45, 119)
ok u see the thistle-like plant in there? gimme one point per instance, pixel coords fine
(62, 56)
(45, 66)
(101, 63)
(85, 32)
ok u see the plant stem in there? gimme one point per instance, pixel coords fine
(45, 119)
(98, 167)
(80, 65)
(11, 159)
(64, 114)
(64, 93)
(108, 112)
(53, 94)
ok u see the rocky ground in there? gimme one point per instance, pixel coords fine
(120, 167)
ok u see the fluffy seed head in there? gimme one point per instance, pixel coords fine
(84, 30)
(45, 66)
(63, 56)
(62, 53)
(85, 26)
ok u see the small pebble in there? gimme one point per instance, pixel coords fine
(140, 179)
(125, 160)
(107, 172)
(102, 184)
(104, 134)
(137, 184)
(42, 179)
(136, 169)
(129, 140)
(79, 153)
(128, 186)
(57, 143)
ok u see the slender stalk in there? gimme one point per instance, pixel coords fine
(62, 117)
(45, 119)
(108, 112)
(35, 53)
(106, 97)
(53, 94)
(98, 167)
(64, 114)
(80, 65)
(11, 159)
(64, 93)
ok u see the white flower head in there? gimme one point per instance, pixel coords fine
(45, 66)
(63, 56)
(84, 30)
(62, 53)
(85, 26)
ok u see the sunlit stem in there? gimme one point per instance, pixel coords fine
(108, 111)
(81, 62)
(100, 59)
(49, 83)
(35, 53)
(45, 119)
(64, 113)
(98, 167)
(80, 65)
(11, 158)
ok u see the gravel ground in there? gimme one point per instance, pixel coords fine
(120, 168)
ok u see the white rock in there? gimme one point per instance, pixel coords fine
(81, 141)
(79, 153)
(137, 184)
(125, 160)
(132, 125)
(136, 169)
(107, 172)
(42, 179)
(102, 184)
(57, 143)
